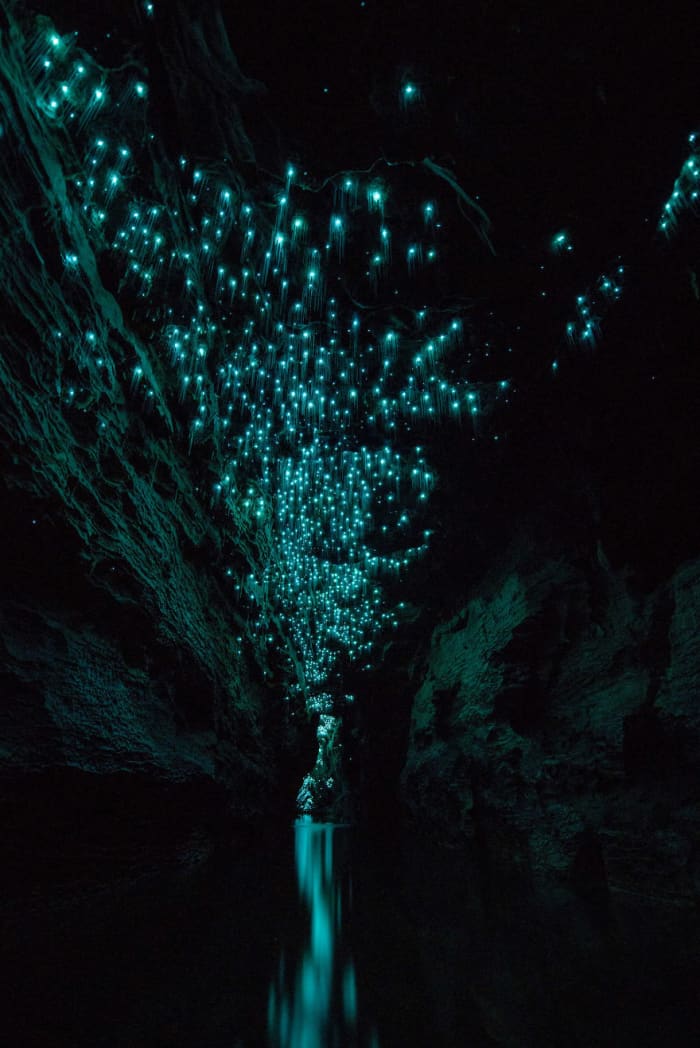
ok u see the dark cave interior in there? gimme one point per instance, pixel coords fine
(349, 434)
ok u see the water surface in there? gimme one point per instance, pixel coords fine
(312, 937)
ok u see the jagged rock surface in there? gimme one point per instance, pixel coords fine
(557, 720)
(126, 666)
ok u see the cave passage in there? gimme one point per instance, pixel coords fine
(349, 475)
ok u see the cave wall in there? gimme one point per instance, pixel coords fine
(556, 721)
(131, 690)
(553, 716)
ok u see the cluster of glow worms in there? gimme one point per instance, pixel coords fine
(307, 402)
(685, 195)
(591, 308)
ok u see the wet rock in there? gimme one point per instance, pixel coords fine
(564, 729)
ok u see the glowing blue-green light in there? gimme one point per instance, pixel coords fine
(410, 93)
(281, 391)
(560, 243)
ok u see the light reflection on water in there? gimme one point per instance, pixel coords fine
(313, 1000)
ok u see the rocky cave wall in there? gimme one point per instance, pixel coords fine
(556, 720)
(554, 713)
(130, 686)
